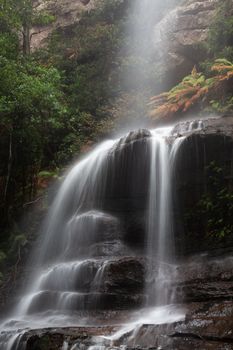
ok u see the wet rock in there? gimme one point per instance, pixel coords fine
(205, 279)
(134, 136)
(53, 339)
(109, 249)
(207, 326)
(126, 194)
(90, 229)
(124, 276)
(91, 285)
(205, 126)
(211, 144)
(48, 300)
(126, 184)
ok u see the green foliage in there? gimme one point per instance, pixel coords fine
(19, 16)
(51, 104)
(2, 257)
(217, 204)
(89, 58)
(215, 208)
(29, 89)
(9, 45)
(46, 174)
(31, 106)
(43, 18)
(212, 90)
(220, 38)
(18, 241)
(220, 41)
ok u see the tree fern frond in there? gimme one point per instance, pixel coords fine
(193, 89)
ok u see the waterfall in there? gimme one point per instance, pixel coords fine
(65, 268)
(160, 239)
(72, 260)
(86, 233)
(159, 215)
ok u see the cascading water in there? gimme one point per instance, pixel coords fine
(160, 307)
(66, 268)
(72, 262)
(160, 240)
(64, 257)
(159, 217)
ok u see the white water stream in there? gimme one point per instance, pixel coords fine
(68, 276)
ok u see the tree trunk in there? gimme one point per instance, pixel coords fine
(8, 167)
(26, 40)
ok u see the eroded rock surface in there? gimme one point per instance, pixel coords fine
(180, 34)
(207, 326)
(65, 12)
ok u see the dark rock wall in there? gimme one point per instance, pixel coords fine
(127, 181)
(211, 146)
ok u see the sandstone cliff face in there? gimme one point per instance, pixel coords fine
(66, 13)
(180, 33)
(177, 37)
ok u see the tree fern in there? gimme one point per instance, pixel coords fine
(193, 89)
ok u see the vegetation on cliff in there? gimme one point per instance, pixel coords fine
(214, 209)
(55, 101)
(48, 100)
(197, 89)
(209, 86)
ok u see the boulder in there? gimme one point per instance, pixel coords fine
(124, 276)
(90, 285)
(205, 279)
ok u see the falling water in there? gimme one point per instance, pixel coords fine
(159, 217)
(69, 269)
(160, 240)
(65, 266)
(160, 307)
(63, 256)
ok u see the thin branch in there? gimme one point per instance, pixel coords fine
(17, 263)
(8, 167)
(35, 201)
(35, 33)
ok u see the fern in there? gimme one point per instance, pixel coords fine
(193, 89)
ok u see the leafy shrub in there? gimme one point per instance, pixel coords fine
(220, 39)
(215, 207)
